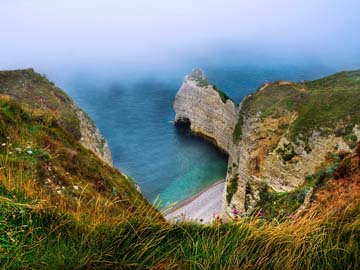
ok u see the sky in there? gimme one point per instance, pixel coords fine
(160, 34)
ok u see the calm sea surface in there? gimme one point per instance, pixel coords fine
(136, 118)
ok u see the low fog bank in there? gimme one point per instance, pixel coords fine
(145, 39)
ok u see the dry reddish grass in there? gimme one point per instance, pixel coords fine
(343, 190)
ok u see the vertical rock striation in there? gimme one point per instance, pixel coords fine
(275, 136)
(200, 105)
(91, 138)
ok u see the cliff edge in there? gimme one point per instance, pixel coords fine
(52, 153)
(37, 92)
(275, 137)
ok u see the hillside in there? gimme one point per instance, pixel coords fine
(41, 161)
(35, 91)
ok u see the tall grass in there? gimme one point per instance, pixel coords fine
(42, 238)
(39, 161)
(95, 229)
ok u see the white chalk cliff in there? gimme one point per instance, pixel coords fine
(209, 115)
(258, 145)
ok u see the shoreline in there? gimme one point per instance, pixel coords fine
(202, 207)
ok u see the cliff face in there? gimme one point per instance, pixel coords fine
(276, 136)
(36, 92)
(46, 164)
(53, 153)
(91, 137)
(208, 112)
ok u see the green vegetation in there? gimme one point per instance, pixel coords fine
(332, 101)
(319, 178)
(44, 162)
(63, 208)
(245, 104)
(200, 78)
(277, 99)
(282, 205)
(328, 105)
(286, 152)
(237, 135)
(36, 237)
(201, 81)
(224, 97)
(352, 140)
(31, 89)
(231, 188)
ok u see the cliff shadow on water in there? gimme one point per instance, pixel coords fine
(183, 129)
(186, 136)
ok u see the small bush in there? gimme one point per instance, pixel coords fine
(224, 97)
(231, 188)
(286, 152)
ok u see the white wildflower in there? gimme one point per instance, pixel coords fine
(76, 187)
(58, 191)
(3, 144)
(29, 152)
(10, 153)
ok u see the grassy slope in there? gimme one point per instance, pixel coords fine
(98, 227)
(282, 205)
(39, 160)
(36, 91)
(321, 105)
(34, 237)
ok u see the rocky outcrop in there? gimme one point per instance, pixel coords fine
(257, 159)
(37, 93)
(272, 137)
(91, 137)
(201, 106)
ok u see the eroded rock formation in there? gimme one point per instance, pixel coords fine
(199, 104)
(266, 136)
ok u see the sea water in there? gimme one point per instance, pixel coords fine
(136, 118)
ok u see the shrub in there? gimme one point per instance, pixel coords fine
(231, 188)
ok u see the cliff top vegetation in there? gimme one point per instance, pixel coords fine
(328, 105)
(201, 80)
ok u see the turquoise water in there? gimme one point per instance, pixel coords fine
(136, 118)
(137, 122)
